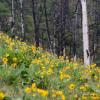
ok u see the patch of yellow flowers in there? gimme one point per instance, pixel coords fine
(50, 66)
(44, 93)
(58, 94)
(33, 89)
(63, 73)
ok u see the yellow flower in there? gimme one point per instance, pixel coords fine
(14, 65)
(50, 71)
(83, 88)
(84, 97)
(72, 86)
(58, 93)
(66, 76)
(75, 64)
(33, 49)
(63, 97)
(2, 95)
(42, 92)
(61, 57)
(28, 90)
(61, 75)
(34, 87)
(94, 96)
(93, 66)
(5, 60)
(14, 59)
(66, 68)
(36, 61)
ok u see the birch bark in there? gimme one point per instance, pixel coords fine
(85, 33)
(22, 20)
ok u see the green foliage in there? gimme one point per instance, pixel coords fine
(4, 9)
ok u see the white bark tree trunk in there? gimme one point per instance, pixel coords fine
(22, 21)
(85, 33)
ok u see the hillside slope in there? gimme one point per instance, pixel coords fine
(27, 73)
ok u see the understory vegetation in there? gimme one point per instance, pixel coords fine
(30, 73)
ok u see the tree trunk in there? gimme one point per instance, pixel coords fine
(13, 17)
(22, 19)
(36, 25)
(47, 26)
(85, 33)
(74, 37)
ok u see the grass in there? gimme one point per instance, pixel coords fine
(30, 73)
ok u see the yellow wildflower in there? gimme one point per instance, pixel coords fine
(14, 65)
(42, 92)
(2, 95)
(33, 48)
(75, 64)
(58, 93)
(72, 86)
(50, 71)
(63, 97)
(34, 87)
(66, 68)
(61, 75)
(14, 59)
(61, 57)
(93, 66)
(36, 61)
(94, 96)
(28, 90)
(66, 76)
(84, 97)
(5, 60)
(83, 88)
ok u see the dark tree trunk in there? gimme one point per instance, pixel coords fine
(36, 24)
(13, 17)
(47, 25)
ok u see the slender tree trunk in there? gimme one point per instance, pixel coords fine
(75, 22)
(85, 33)
(36, 25)
(54, 39)
(13, 17)
(95, 34)
(22, 19)
(61, 34)
(47, 26)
